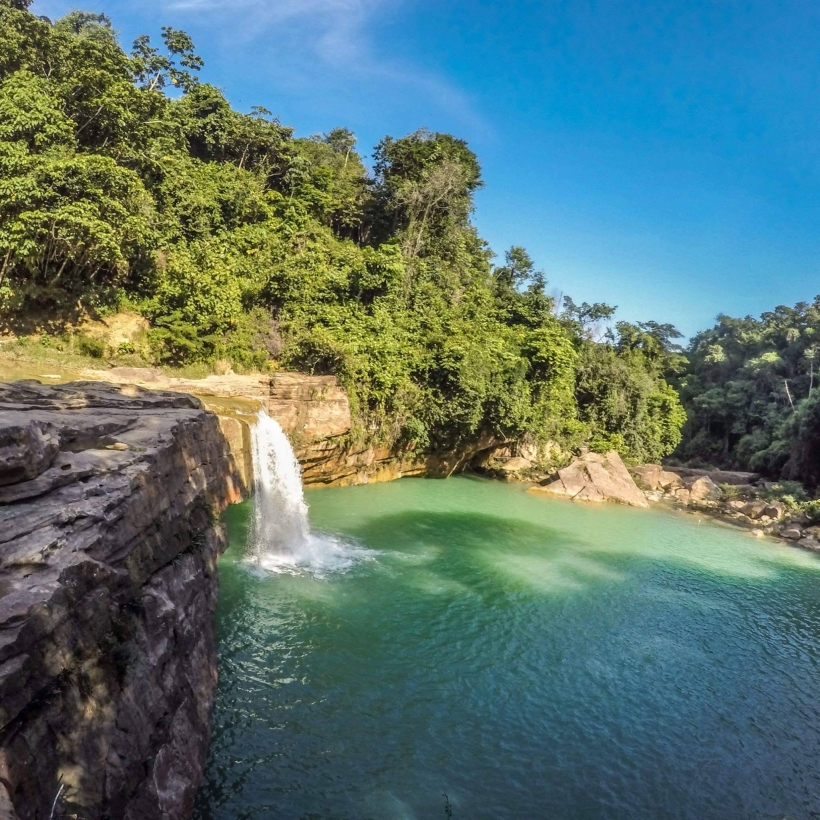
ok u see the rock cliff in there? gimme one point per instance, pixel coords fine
(109, 498)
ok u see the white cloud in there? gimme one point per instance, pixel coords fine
(315, 37)
(334, 29)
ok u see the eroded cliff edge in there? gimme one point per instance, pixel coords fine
(315, 413)
(109, 538)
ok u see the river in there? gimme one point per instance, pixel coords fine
(530, 658)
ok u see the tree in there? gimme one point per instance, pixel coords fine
(154, 71)
(747, 388)
(424, 185)
(585, 319)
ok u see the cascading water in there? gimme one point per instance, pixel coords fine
(282, 540)
(280, 515)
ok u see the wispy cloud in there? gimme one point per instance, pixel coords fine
(334, 39)
(334, 29)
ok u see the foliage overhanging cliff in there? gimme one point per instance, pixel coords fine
(239, 241)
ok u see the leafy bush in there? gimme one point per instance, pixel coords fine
(789, 492)
(731, 492)
(89, 346)
(812, 510)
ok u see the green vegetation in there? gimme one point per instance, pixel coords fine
(752, 394)
(126, 182)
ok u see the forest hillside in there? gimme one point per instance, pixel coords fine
(751, 391)
(127, 182)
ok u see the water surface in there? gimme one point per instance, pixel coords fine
(532, 658)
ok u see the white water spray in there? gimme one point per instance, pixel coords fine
(282, 540)
(280, 514)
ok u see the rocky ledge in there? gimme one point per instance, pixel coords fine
(315, 413)
(109, 503)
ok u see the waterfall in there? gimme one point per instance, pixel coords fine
(282, 539)
(280, 514)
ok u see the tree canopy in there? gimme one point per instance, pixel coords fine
(751, 392)
(126, 180)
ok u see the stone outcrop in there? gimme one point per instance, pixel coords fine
(108, 546)
(733, 477)
(656, 477)
(596, 477)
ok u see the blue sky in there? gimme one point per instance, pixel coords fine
(660, 156)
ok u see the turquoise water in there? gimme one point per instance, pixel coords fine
(531, 658)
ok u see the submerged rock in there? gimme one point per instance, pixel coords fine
(107, 593)
(596, 477)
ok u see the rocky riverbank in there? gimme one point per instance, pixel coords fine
(744, 499)
(734, 496)
(109, 538)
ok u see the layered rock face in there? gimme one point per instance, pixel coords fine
(109, 503)
(326, 462)
(315, 413)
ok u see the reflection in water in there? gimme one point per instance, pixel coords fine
(532, 658)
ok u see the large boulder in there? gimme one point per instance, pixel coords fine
(647, 475)
(655, 477)
(755, 509)
(775, 509)
(703, 489)
(764, 509)
(596, 477)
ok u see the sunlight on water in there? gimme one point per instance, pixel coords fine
(533, 658)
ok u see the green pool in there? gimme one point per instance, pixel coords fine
(530, 658)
